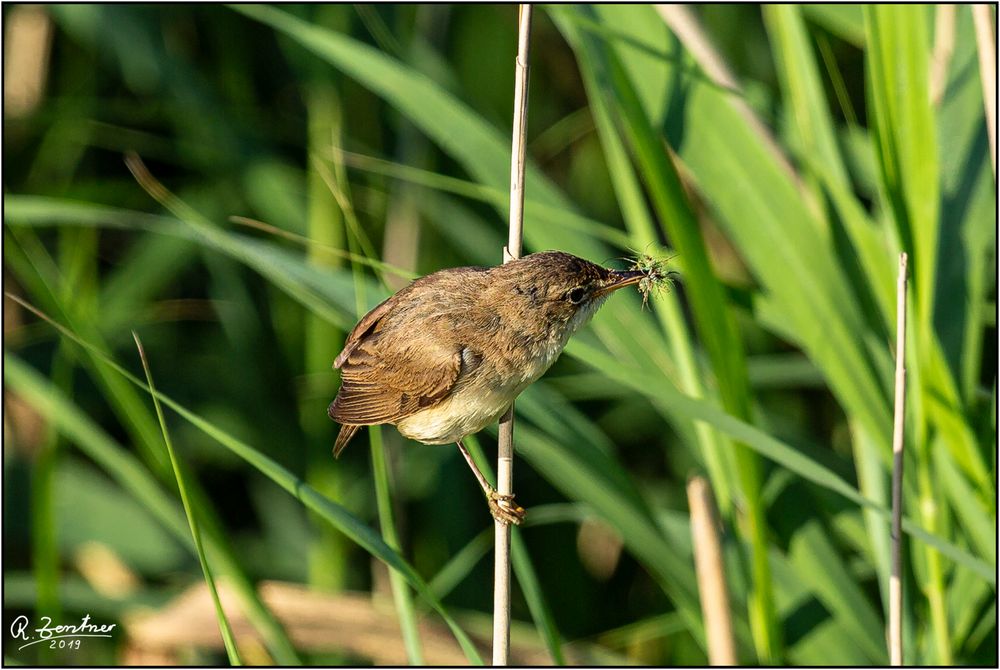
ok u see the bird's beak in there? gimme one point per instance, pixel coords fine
(620, 279)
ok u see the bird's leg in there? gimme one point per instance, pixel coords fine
(502, 505)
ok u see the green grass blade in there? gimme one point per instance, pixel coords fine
(644, 235)
(806, 104)
(44, 545)
(765, 444)
(906, 141)
(845, 21)
(400, 591)
(536, 212)
(227, 632)
(976, 522)
(346, 522)
(712, 313)
(762, 212)
(818, 565)
(481, 149)
(144, 431)
(321, 341)
(461, 563)
(329, 295)
(968, 212)
(527, 579)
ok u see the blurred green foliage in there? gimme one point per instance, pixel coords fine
(383, 131)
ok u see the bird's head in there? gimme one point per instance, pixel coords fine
(561, 290)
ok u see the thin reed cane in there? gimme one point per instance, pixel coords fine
(896, 574)
(505, 440)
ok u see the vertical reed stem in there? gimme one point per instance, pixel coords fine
(505, 441)
(895, 576)
(711, 574)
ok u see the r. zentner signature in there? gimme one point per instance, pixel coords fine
(64, 636)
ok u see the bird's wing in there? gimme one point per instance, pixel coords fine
(384, 380)
(388, 374)
(365, 326)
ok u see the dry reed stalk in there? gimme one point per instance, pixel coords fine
(896, 574)
(711, 573)
(505, 439)
(27, 45)
(982, 16)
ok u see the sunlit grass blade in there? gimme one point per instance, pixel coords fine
(739, 179)
(768, 446)
(712, 313)
(815, 145)
(644, 235)
(968, 211)
(976, 522)
(803, 93)
(227, 632)
(906, 142)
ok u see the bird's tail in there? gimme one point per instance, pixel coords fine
(347, 431)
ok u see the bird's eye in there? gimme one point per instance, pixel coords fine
(576, 296)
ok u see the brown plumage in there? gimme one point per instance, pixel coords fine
(428, 340)
(445, 356)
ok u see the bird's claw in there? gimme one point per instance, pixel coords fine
(504, 509)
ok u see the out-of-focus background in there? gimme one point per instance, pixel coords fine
(312, 158)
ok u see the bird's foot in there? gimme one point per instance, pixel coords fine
(504, 509)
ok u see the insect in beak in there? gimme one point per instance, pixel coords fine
(620, 279)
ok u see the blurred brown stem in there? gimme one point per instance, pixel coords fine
(711, 573)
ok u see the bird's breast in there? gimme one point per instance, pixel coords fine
(495, 378)
(466, 411)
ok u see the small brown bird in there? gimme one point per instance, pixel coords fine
(445, 356)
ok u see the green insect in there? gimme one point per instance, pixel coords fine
(658, 277)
